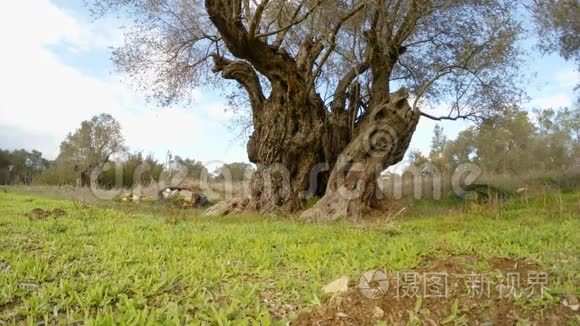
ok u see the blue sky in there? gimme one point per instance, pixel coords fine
(55, 72)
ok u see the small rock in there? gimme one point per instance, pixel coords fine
(28, 285)
(4, 267)
(573, 307)
(341, 315)
(378, 313)
(571, 302)
(338, 286)
(165, 193)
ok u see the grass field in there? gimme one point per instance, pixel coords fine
(107, 264)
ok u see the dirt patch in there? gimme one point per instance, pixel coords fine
(278, 309)
(456, 290)
(40, 214)
(57, 212)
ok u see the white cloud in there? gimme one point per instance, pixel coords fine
(568, 78)
(12, 137)
(41, 95)
(555, 101)
(155, 130)
(34, 23)
(219, 111)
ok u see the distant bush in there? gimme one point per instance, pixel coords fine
(135, 169)
(56, 175)
(21, 166)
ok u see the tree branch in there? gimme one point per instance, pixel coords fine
(409, 23)
(338, 102)
(244, 74)
(308, 53)
(255, 24)
(263, 57)
(454, 118)
(332, 46)
(284, 30)
(447, 70)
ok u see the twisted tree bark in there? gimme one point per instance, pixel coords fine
(381, 141)
(300, 147)
(289, 152)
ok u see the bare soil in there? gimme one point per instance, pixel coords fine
(353, 308)
(40, 214)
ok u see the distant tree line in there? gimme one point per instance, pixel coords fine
(21, 166)
(515, 144)
(98, 148)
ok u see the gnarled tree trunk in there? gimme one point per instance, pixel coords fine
(300, 146)
(290, 153)
(285, 146)
(381, 141)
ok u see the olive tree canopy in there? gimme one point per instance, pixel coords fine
(91, 145)
(558, 27)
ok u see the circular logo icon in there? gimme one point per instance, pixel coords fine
(373, 284)
(380, 141)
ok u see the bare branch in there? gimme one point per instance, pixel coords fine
(258, 53)
(447, 70)
(453, 118)
(338, 102)
(244, 74)
(293, 23)
(409, 23)
(255, 24)
(332, 35)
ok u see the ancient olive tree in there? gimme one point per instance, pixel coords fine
(91, 146)
(336, 87)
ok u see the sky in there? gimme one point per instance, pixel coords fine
(55, 71)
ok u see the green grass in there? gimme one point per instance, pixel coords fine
(104, 265)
